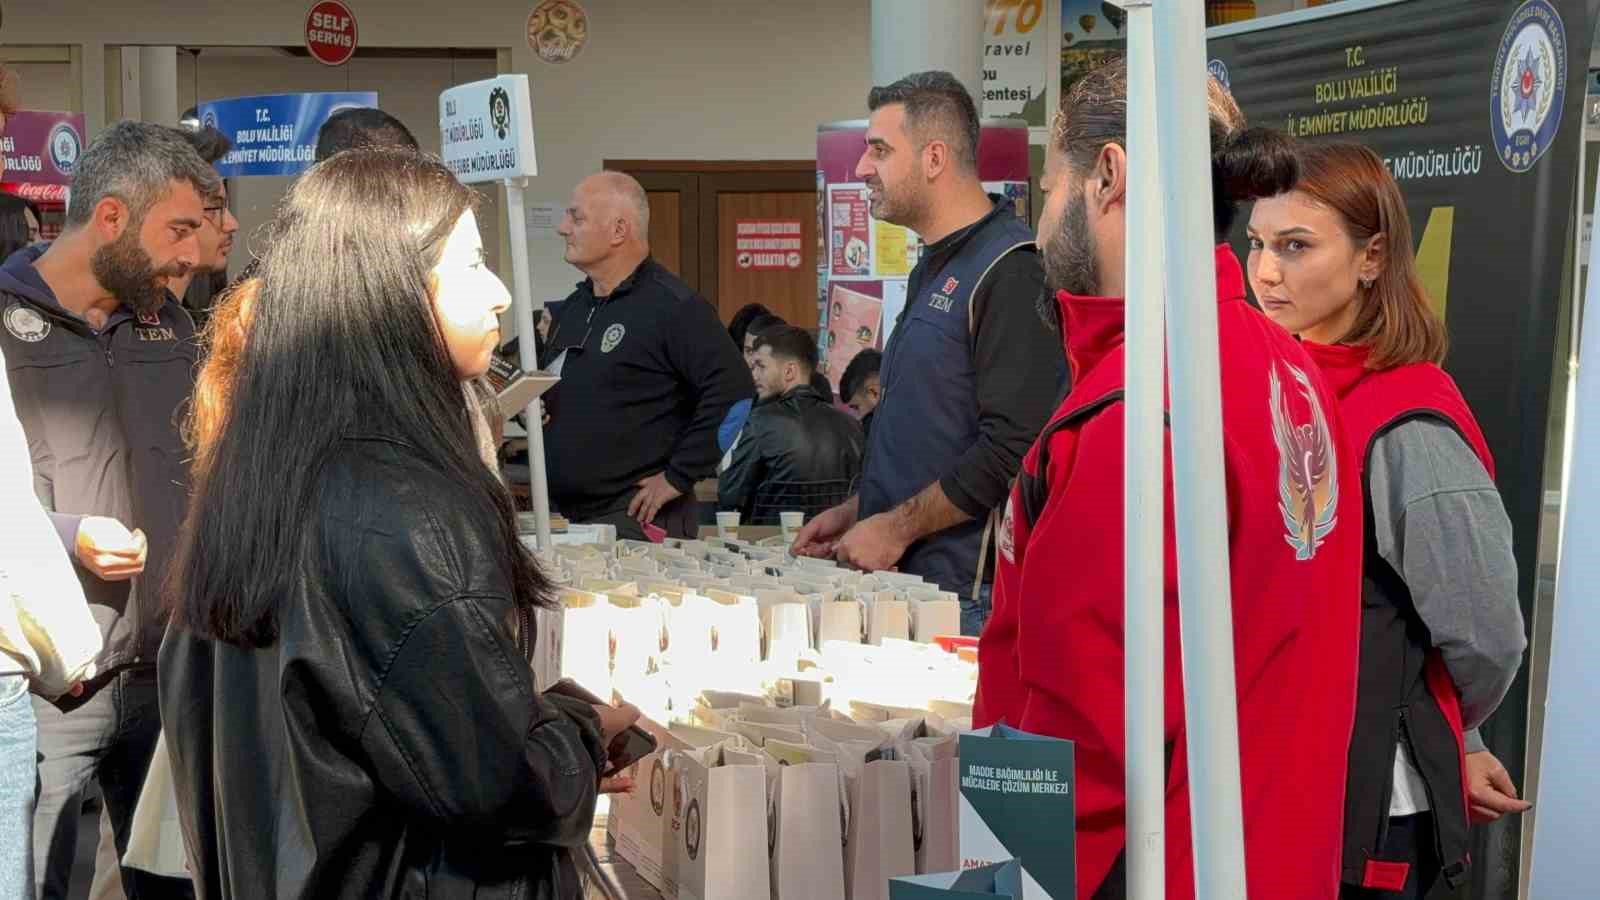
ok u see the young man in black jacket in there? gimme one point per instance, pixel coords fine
(101, 360)
(796, 446)
(647, 373)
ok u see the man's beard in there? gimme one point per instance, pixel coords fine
(1069, 263)
(901, 207)
(128, 273)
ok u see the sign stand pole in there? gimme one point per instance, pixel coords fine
(1205, 599)
(522, 309)
(1143, 471)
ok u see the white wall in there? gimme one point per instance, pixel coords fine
(685, 79)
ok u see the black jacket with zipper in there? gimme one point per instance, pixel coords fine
(798, 437)
(390, 743)
(102, 412)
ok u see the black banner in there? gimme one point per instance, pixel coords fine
(1477, 108)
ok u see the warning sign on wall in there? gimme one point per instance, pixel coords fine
(767, 244)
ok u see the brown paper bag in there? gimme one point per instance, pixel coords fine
(720, 834)
(880, 844)
(807, 841)
(935, 803)
(841, 620)
(888, 618)
(640, 823)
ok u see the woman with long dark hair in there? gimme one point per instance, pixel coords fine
(345, 686)
(1442, 634)
(19, 224)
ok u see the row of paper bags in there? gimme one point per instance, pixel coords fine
(790, 804)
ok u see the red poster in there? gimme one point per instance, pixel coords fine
(765, 245)
(850, 229)
(853, 322)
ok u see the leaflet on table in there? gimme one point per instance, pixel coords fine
(850, 230)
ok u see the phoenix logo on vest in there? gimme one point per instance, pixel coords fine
(1005, 539)
(612, 337)
(25, 324)
(1308, 468)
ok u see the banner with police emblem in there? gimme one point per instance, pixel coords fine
(1476, 107)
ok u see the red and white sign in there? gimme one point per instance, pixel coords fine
(768, 244)
(331, 33)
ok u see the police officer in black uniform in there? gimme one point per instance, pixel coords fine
(647, 374)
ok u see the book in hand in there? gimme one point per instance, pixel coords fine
(513, 388)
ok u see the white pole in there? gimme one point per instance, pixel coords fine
(522, 308)
(1200, 501)
(1143, 495)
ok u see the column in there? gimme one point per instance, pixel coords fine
(918, 35)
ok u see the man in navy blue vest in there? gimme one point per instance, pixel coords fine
(972, 369)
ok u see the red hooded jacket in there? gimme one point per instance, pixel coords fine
(1051, 658)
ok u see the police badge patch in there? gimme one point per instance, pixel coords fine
(25, 324)
(1529, 85)
(612, 337)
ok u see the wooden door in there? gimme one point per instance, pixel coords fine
(728, 229)
(674, 221)
(772, 259)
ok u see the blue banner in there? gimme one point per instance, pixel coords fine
(275, 134)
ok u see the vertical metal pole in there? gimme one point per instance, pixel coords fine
(522, 309)
(1143, 493)
(1200, 499)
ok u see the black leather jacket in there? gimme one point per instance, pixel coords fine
(390, 744)
(798, 437)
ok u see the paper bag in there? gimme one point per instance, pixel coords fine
(736, 623)
(155, 843)
(935, 802)
(934, 613)
(841, 620)
(888, 618)
(586, 640)
(1017, 799)
(640, 824)
(720, 832)
(879, 846)
(636, 632)
(786, 619)
(807, 839)
(997, 880)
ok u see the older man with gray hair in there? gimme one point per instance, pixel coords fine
(647, 373)
(100, 360)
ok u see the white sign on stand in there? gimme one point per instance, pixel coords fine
(486, 134)
(486, 130)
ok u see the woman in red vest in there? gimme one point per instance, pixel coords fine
(1442, 633)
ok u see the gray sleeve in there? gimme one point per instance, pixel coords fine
(1472, 741)
(1439, 522)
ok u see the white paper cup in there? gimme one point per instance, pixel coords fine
(791, 522)
(728, 526)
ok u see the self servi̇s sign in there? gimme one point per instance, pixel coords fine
(275, 134)
(486, 130)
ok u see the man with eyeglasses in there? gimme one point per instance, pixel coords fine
(216, 238)
(100, 360)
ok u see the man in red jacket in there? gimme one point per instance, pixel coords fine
(1051, 659)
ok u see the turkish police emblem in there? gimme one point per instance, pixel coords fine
(500, 112)
(1219, 70)
(25, 324)
(65, 145)
(612, 337)
(1529, 85)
